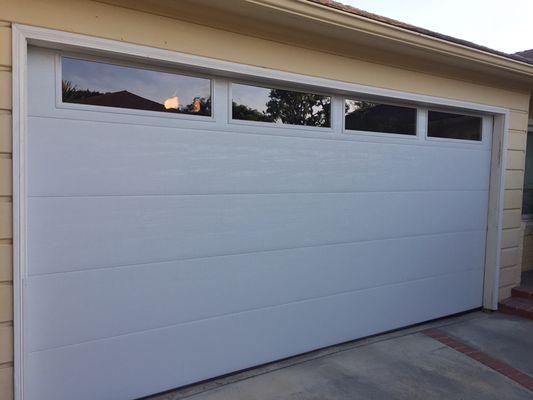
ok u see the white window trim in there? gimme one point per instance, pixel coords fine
(22, 35)
(421, 133)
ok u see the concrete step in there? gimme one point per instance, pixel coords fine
(520, 306)
(525, 292)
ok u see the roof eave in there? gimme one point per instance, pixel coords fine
(353, 22)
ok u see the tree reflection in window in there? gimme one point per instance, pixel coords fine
(109, 85)
(360, 115)
(254, 103)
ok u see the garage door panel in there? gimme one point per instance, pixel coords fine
(197, 289)
(104, 369)
(41, 81)
(69, 234)
(193, 161)
(164, 249)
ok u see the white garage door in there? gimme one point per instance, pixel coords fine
(183, 227)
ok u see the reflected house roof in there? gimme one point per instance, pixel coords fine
(376, 112)
(124, 99)
(450, 125)
(528, 54)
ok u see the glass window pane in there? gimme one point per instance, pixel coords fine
(254, 103)
(360, 115)
(109, 85)
(453, 126)
(527, 206)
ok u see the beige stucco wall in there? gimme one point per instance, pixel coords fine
(97, 19)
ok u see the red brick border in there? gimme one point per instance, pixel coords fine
(503, 368)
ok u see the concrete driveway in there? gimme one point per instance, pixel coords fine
(474, 356)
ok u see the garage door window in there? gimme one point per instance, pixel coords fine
(255, 103)
(105, 85)
(109, 85)
(453, 126)
(361, 115)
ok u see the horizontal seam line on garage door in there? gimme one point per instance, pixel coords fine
(254, 194)
(225, 315)
(132, 265)
(335, 135)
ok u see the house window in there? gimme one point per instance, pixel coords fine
(368, 116)
(109, 85)
(527, 203)
(453, 126)
(280, 106)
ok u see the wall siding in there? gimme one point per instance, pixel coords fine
(512, 238)
(97, 19)
(6, 247)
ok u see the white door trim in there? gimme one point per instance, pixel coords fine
(24, 35)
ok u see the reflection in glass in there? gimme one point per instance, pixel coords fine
(101, 84)
(375, 117)
(253, 103)
(527, 205)
(453, 126)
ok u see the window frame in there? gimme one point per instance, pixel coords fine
(267, 85)
(483, 139)
(404, 136)
(60, 104)
(337, 129)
